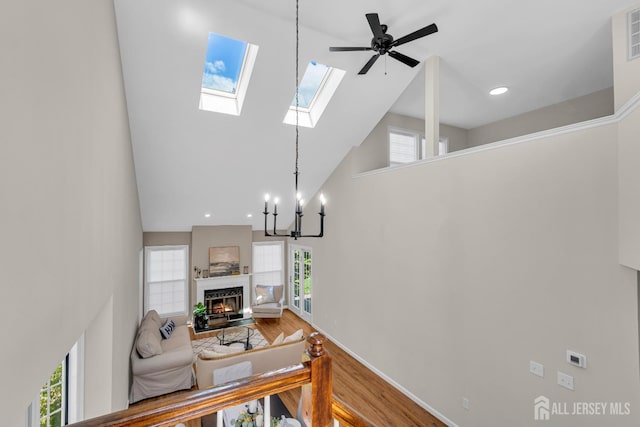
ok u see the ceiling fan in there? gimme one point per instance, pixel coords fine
(382, 43)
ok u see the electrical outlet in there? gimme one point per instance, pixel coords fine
(465, 403)
(536, 368)
(565, 380)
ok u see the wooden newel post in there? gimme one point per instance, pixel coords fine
(316, 399)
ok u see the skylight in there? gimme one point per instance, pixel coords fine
(311, 82)
(318, 85)
(227, 70)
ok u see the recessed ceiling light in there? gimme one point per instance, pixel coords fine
(249, 215)
(498, 91)
(207, 215)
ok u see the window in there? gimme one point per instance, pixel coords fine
(268, 264)
(227, 71)
(443, 146)
(318, 85)
(634, 34)
(53, 400)
(60, 400)
(166, 279)
(300, 281)
(404, 147)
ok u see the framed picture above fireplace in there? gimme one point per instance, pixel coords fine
(224, 261)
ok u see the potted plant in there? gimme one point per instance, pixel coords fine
(199, 314)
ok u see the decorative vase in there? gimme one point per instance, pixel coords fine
(199, 322)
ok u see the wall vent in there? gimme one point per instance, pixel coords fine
(634, 34)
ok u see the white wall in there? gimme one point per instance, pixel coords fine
(69, 219)
(449, 276)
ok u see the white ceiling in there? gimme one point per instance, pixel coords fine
(189, 162)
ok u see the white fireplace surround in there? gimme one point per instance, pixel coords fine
(222, 282)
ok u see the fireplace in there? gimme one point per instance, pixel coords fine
(224, 304)
(222, 292)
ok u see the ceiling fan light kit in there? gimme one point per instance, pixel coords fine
(382, 43)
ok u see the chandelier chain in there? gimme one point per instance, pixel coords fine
(297, 91)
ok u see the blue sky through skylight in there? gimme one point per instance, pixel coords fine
(311, 81)
(223, 63)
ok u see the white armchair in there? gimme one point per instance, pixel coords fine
(268, 302)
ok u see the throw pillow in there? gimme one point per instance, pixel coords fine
(210, 354)
(230, 349)
(296, 336)
(153, 315)
(264, 294)
(279, 339)
(148, 344)
(167, 329)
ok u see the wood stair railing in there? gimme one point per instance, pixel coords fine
(347, 416)
(314, 376)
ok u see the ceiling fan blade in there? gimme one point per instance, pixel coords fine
(369, 63)
(374, 23)
(403, 58)
(429, 29)
(348, 49)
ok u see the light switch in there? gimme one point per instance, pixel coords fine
(536, 368)
(565, 380)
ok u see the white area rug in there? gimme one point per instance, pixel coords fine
(256, 340)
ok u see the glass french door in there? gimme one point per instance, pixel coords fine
(300, 281)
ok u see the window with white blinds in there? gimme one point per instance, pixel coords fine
(166, 279)
(634, 34)
(403, 147)
(268, 263)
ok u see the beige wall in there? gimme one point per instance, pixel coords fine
(375, 148)
(167, 238)
(594, 105)
(626, 72)
(205, 237)
(627, 84)
(70, 220)
(497, 265)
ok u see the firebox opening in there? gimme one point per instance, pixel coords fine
(223, 304)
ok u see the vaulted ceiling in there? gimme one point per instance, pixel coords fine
(191, 162)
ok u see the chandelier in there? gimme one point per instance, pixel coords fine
(297, 228)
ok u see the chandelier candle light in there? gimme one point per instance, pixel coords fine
(297, 228)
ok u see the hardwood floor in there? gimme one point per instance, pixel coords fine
(354, 384)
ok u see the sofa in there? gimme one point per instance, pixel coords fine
(262, 359)
(161, 365)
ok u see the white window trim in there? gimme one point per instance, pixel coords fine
(231, 103)
(147, 250)
(309, 117)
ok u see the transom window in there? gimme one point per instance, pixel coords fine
(227, 71)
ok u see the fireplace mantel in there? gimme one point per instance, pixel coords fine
(221, 282)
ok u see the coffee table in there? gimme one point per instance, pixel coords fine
(239, 334)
